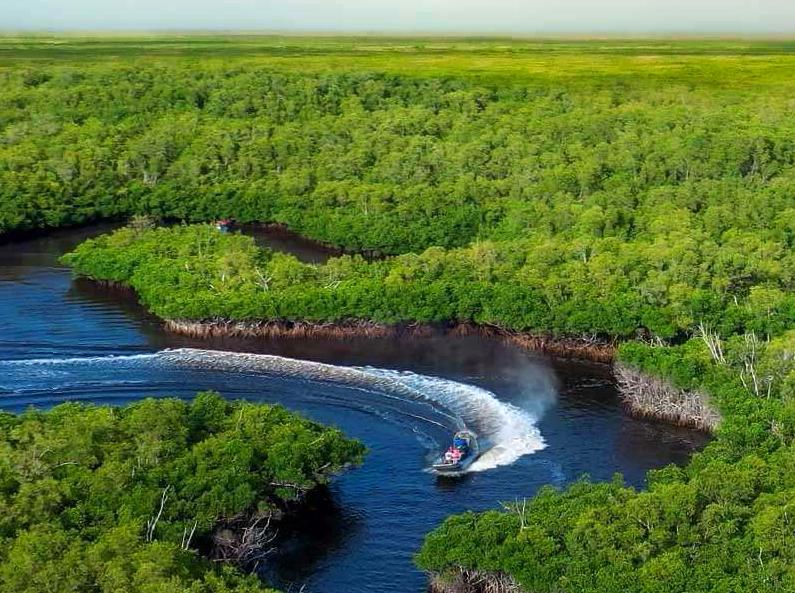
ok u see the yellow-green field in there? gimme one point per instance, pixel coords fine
(712, 63)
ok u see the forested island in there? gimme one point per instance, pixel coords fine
(633, 197)
(160, 495)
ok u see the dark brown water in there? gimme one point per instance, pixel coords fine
(281, 239)
(546, 421)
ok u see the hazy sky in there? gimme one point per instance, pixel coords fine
(517, 16)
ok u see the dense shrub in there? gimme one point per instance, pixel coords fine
(629, 198)
(195, 272)
(80, 484)
(718, 525)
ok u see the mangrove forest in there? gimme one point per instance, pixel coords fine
(632, 201)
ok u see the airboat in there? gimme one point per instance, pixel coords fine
(463, 453)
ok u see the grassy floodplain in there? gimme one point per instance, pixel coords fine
(723, 63)
(626, 190)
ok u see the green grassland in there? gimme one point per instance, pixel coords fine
(720, 62)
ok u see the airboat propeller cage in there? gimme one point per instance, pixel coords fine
(464, 437)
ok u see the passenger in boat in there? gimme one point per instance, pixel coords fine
(456, 455)
(448, 456)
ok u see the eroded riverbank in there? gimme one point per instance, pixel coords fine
(581, 349)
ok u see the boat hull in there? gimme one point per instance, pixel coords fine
(454, 468)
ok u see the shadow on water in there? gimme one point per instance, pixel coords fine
(452, 483)
(307, 539)
(279, 238)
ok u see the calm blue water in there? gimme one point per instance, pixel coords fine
(546, 421)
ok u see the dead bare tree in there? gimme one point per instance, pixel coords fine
(262, 281)
(713, 342)
(520, 509)
(474, 581)
(187, 537)
(749, 360)
(151, 524)
(647, 396)
(142, 222)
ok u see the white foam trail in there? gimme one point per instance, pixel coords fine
(77, 360)
(57, 369)
(355, 377)
(506, 432)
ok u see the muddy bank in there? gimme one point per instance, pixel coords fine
(563, 347)
(646, 396)
(473, 581)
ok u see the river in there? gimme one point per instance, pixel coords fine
(545, 421)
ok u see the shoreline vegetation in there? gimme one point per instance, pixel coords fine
(643, 395)
(158, 495)
(583, 349)
(635, 193)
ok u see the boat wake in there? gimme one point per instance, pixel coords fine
(506, 432)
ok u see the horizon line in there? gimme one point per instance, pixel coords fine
(596, 34)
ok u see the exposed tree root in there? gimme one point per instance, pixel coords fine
(582, 348)
(473, 581)
(244, 541)
(646, 396)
